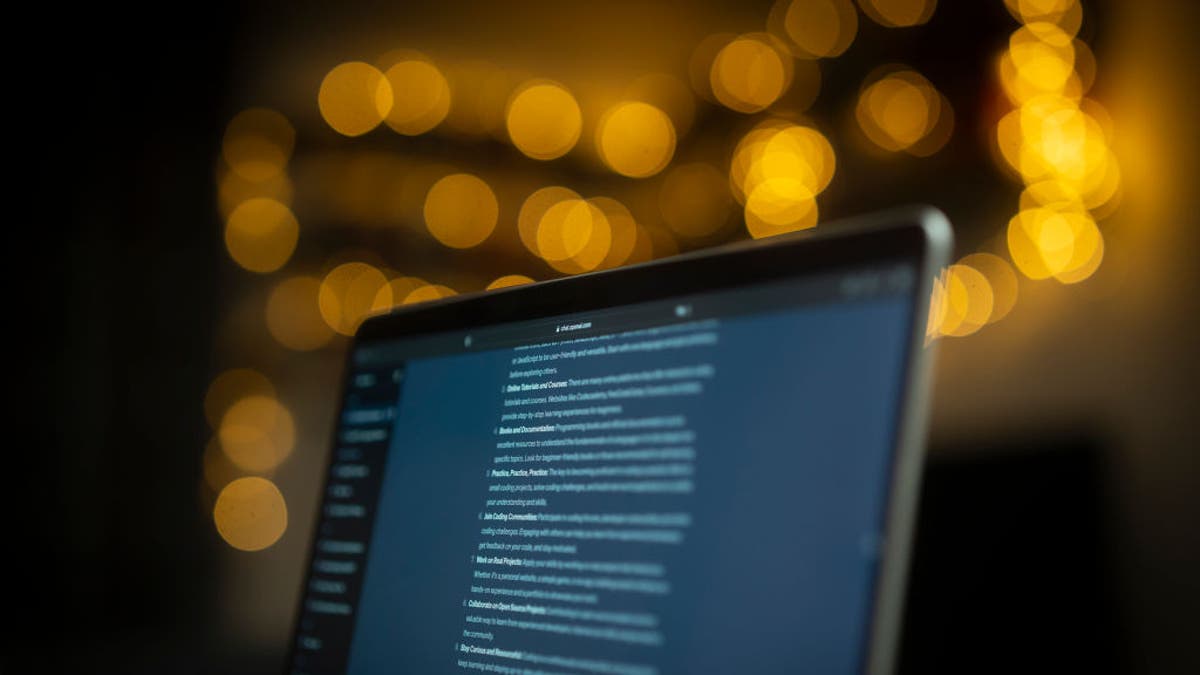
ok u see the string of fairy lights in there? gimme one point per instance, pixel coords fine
(668, 196)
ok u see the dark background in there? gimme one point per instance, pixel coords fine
(1058, 528)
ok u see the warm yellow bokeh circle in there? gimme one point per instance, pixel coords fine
(636, 139)
(461, 210)
(544, 120)
(354, 98)
(351, 291)
(250, 513)
(421, 96)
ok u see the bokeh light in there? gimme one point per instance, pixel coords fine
(751, 72)
(351, 291)
(694, 199)
(293, 315)
(777, 170)
(748, 153)
(250, 513)
(779, 205)
(508, 281)
(635, 139)
(1041, 242)
(574, 236)
(792, 151)
(354, 98)
(1085, 66)
(229, 387)
(598, 242)
(898, 13)
(622, 230)
(937, 136)
(1001, 279)
(1051, 193)
(1057, 143)
(461, 210)
(894, 112)
(421, 94)
(534, 208)
(1053, 140)
(261, 234)
(1061, 141)
(814, 28)
(544, 120)
(900, 110)
(1086, 258)
(1046, 242)
(968, 301)
(257, 433)
(258, 144)
(1041, 60)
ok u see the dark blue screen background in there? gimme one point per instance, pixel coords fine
(794, 441)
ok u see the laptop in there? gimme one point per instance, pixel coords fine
(706, 464)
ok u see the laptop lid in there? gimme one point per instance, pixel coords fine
(704, 464)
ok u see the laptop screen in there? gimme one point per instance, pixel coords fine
(692, 484)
